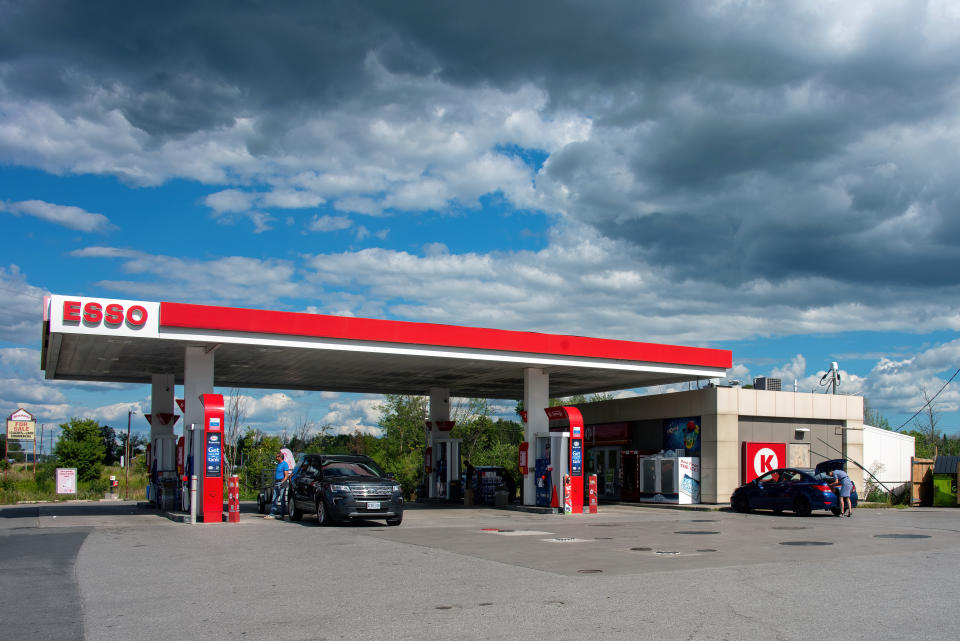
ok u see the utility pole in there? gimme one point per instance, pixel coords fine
(126, 460)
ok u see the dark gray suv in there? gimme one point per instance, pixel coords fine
(342, 487)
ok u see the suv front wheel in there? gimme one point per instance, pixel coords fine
(323, 516)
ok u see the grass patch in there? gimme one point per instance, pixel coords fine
(20, 483)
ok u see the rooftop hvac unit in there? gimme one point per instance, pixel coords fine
(770, 384)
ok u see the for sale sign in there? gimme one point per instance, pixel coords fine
(21, 426)
(760, 458)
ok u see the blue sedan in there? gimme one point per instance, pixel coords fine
(799, 489)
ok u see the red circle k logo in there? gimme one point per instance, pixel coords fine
(765, 460)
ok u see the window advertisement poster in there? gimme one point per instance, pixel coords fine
(682, 435)
(66, 480)
(214, 451)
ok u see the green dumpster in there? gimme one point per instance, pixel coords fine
(945, 481)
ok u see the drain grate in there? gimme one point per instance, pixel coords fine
(902, 536)
(696, 532)
(809, 543)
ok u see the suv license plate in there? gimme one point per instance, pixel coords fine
(373, 506)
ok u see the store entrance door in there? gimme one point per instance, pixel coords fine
(605, 463)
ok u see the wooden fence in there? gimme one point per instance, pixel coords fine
(921, 478)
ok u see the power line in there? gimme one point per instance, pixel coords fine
(928, 401)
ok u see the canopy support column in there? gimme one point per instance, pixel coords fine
(536, 396)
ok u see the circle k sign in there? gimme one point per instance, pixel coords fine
(760, 458)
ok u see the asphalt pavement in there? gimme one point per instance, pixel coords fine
(112, 571)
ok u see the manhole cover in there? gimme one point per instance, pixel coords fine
(641, 549)
(789, 527)
(667, 553)
(901, 536)
(696, 532)
(589, 571)
(806, 543)
(707, 550)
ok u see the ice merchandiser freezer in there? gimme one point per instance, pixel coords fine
(670, 479)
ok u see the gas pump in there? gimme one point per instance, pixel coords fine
(212, 459)
(446, 466)
(573, 457)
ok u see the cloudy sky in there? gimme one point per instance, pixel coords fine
(777, 179)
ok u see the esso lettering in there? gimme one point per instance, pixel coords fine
(113, 315)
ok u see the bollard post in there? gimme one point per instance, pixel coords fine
(193, 499)
(233, 499)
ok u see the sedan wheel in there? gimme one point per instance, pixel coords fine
(801, 506)
(741, 504)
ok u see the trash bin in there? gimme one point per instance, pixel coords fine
(500, 498)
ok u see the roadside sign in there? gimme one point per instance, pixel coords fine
(21, 426)
(66, 480)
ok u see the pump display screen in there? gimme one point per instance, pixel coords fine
(214, 450)
(576, 457)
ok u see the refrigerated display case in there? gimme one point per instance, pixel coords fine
(669, 479)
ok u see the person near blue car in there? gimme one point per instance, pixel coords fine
(842, 480)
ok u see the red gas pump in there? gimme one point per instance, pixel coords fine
(213, 457)
(573, 416)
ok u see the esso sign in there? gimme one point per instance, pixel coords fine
(94, 313)
(104, 316)
(759, 458)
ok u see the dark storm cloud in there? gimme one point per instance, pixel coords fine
(730, 140)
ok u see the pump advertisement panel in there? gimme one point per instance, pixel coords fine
(214, 451)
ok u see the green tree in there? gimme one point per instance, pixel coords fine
(258, 452)
(873, 417)
(111, 448)
(400, 450)
(81, 446)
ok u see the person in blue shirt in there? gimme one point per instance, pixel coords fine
(280, 477)
(841, 480)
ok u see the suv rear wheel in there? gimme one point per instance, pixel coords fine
(292, 509)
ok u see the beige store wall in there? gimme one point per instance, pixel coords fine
(720, 410)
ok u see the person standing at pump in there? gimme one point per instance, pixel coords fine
(841, 480)
(280, 477)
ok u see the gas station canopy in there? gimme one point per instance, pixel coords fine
(96, 339)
